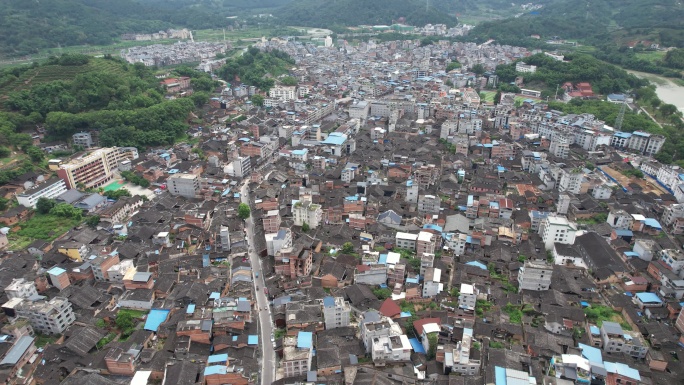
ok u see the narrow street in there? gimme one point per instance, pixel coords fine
(268, 363)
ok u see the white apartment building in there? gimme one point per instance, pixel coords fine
(394, 348)
(525, 68)
(47, 317)
(284, 93)
(383, 327)
(50, 189)
(460, 360)
(620, 219)
(336, 312)
(307, 212)
(560, 147)
(557, 229)
(429, 204)
(240, 167)
(185, 185)
(535, 276)
(359, 110)
(431, 283)
(570, 181)
(616, 340)
(406, 240)
(83, 139)
(467, 297)
(278, 241)
(20, 288)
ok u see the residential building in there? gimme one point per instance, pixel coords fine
(20, 288)
(47, 317)
(429, 204)
(462, 359)
(224, 236)
(427, 243)
(18, 364)
(59, 277)
(275, 242)
(525, 68)
(336, 312)
(185, 185)
(393, 348)
(297, 354)
(376, 328)
(240, 167)
(50, 189)
(293, 263)
(359, 110)
(557, 229)
(535, 276)
(570, 180)
(406, 240)
(620, 219)
(431, 283)
(673, 259)
(560, 147)
(271, 221)
(307, 212)
(96, 168)
(467, 297)
(76, 251)
(679, 323)
(101, 264)
(284, 93)
(427, 260)
(617, 340)
(83, 139)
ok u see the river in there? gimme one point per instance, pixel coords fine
(667, 90)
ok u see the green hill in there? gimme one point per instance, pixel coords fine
(319, 13)
(593, 21)
(26, 26)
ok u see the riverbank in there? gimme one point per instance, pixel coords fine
(667, 90)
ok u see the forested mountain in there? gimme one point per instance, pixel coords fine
(29, 25)
(319, 13)
(591, 20)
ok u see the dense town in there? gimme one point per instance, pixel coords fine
(379, 222)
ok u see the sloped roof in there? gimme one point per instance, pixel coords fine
(390, 308)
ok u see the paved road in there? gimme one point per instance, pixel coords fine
(268, 363)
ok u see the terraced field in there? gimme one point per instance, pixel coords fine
(50, 73)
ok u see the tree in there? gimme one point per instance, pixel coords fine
(66, 210)
(497, 97)
(243, 211)
(124, 321)
(93, 221)
(305, 227)
(35, 153)
(382, 293)
(668, 109)
(288, 81)
(347, 248)
(478, 69)
(44, 205)
(257, 100)
(453, 65)
(432, 349)
(4, 152)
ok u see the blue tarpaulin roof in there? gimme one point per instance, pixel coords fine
(405, 314)
(304, 340)
(477, 264)
(416, 345)
(217, 358)
(584, 304)
(155, 318)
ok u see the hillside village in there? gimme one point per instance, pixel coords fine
(401, 230)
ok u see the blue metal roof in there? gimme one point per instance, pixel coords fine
(499, 375)
(217, 358)
(56, 271)
(650, 222)
(416, 345)
(623, 370)
(477, 264)
(623, 233)
(155, 318)
(17, 351)
(252, 339)
(304, 340)
(215, 369)
(191, 309)
(648, 298)
(335, 138)
(591, 353)
(624, 135)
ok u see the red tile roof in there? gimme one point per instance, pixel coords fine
(389, 308)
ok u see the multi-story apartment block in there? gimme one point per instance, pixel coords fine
(535, 276)
(393, 348)
(359, 110)
(284, 93)
(525, 68)
(307, 212)
(51, 189)
(617, 340)
(431, 283)
(560, 147)
(271, 221)
(406, 240)
(467, 297)
(462, 360)
(101, 263)
(336, 312)
(570, 180)
(557, 229)
(297, 354)
(673, 259)
(20, 288)
(47, 317)
(620, 219)
(429, 204)
(275, 242)
(96, 168)
(293, 263)
(83, 139)
(427, 260)
(376, 328)
(427, 243)
(185, 185)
